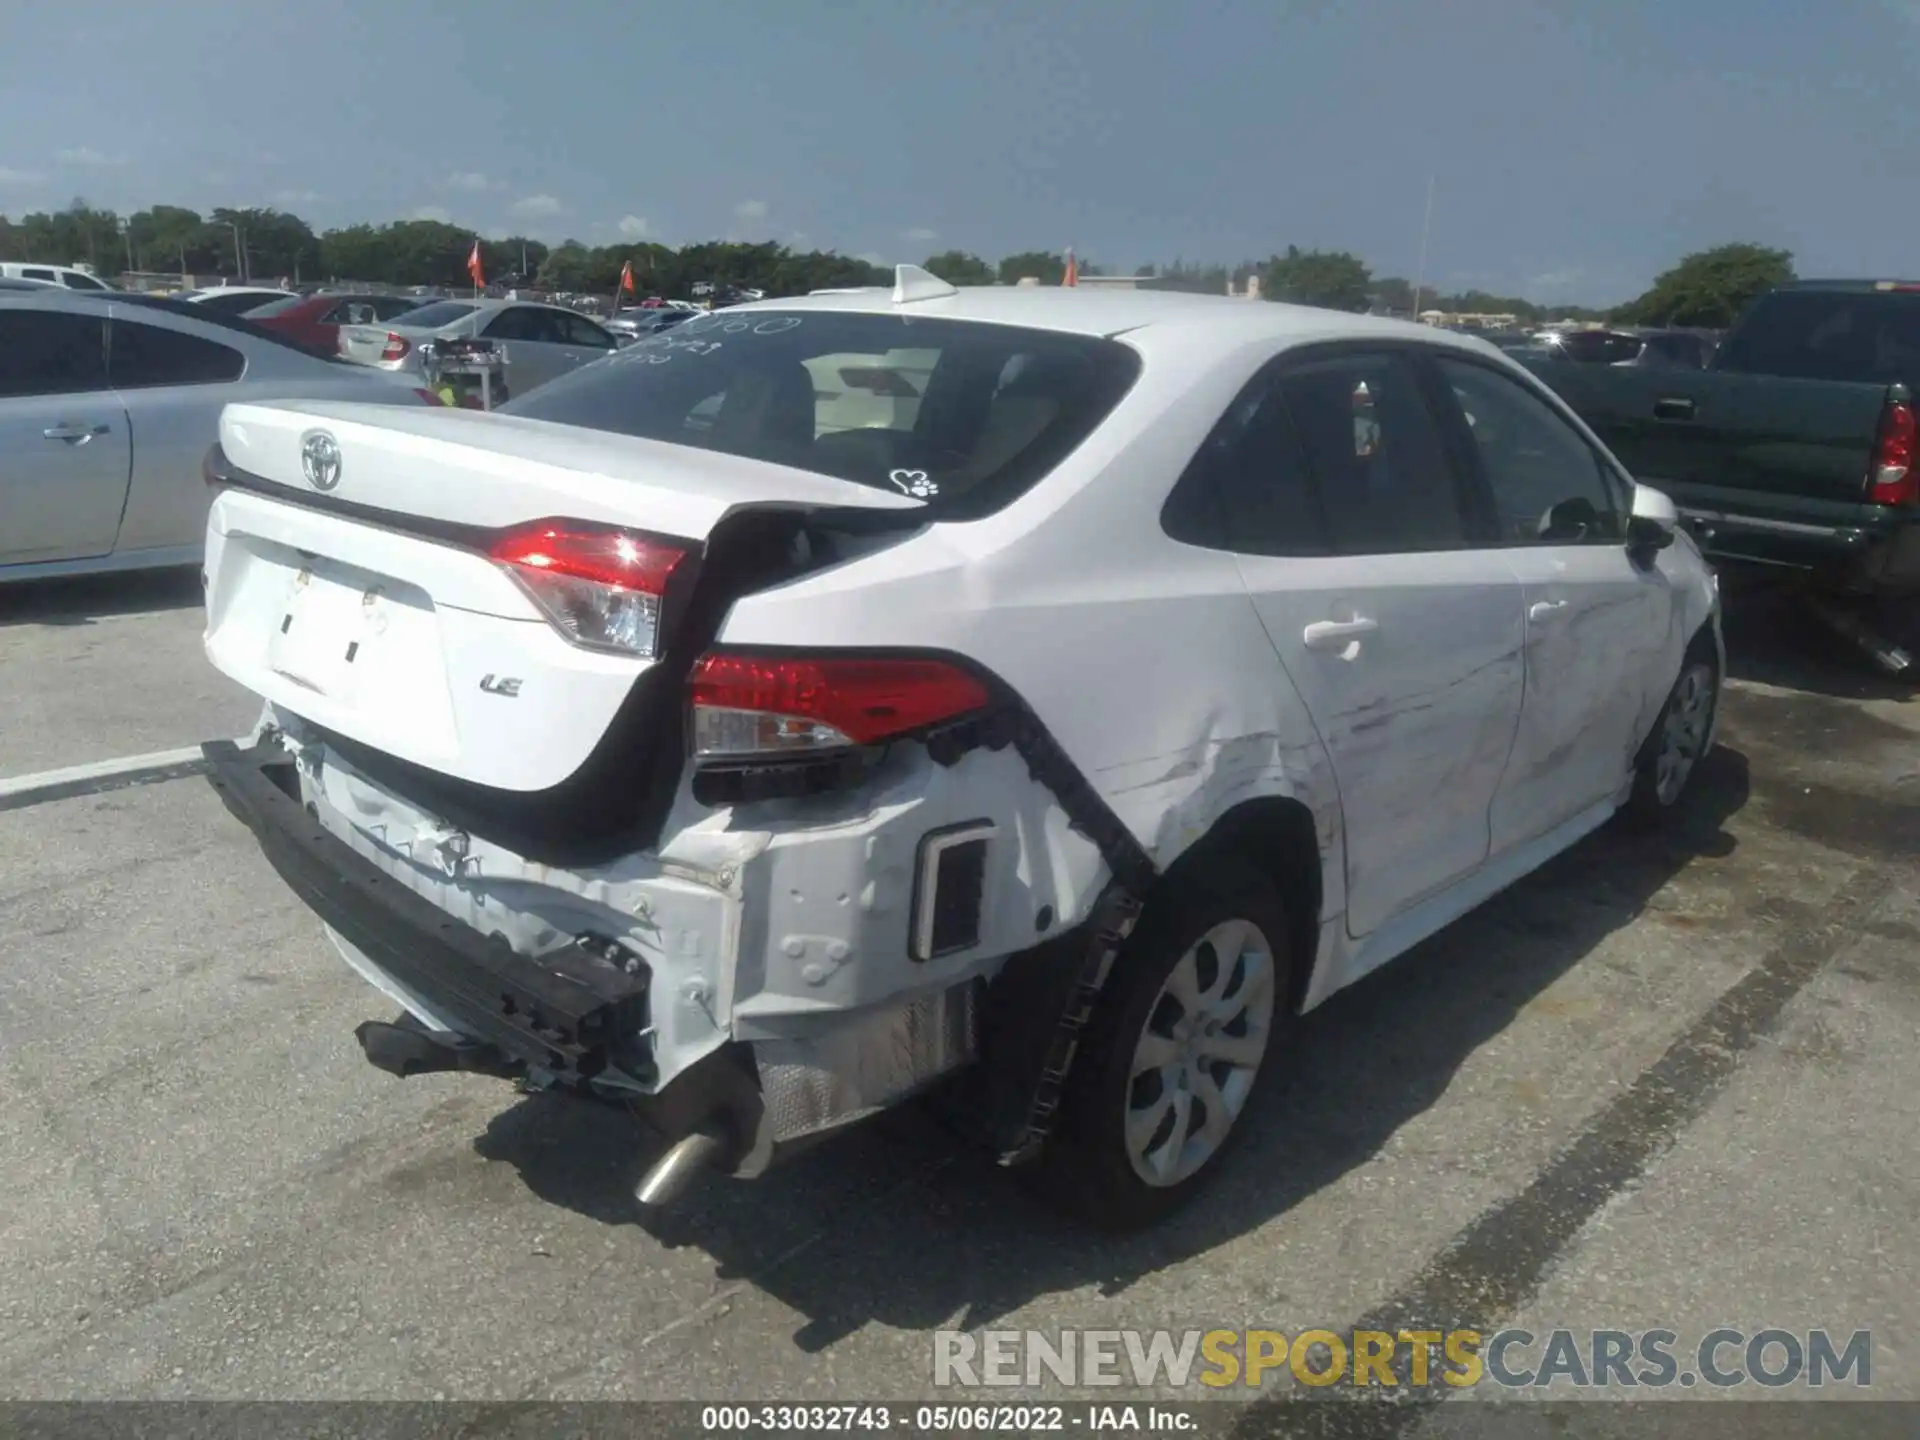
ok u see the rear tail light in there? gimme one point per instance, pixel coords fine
(767, 706)
(397, 347)
(1894, 480)
(602, 589)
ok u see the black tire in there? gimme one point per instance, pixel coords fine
(1656, 800)
(1087, 1167)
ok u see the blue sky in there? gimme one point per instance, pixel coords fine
(1576, 146)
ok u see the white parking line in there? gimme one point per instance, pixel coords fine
(19, 791)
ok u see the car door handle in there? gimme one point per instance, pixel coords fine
(1673, 407)
(1545, 609)
(1335, 634)
(75, 434)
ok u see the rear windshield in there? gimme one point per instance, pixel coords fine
(277, 307)
(965, 416)
(441, 312)
(1828, 335)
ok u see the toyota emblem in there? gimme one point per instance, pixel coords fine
(320, 459)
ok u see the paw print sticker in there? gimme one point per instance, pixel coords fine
(914, 483)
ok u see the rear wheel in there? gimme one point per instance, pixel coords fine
(1173, 1055)
(1679, 740)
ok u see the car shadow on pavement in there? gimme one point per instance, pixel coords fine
(896, 1224)
(84, 600)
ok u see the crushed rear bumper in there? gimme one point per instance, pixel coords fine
(569, 1012)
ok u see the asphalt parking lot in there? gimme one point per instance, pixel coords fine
(1662, 1083)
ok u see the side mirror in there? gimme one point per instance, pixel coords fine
(1653, 522)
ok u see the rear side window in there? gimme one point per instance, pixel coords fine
(1376, 455)
(38, 275)
(144, 356)
(77, 281)
(385, 307)
(527, 322)
(46, 352)
(1828, 335)
(963, 415)
(358, 311)
(443, 312)
(276, 307)
(1249, 489)
(581, 331)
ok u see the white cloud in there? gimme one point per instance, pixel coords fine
(797, 238)
(922, 235)
(10, 176)
(86, 156)
(432, 212)
(471, 181)
(751, 210)
(295, 197)
(870, 258)
(536, 207)
(633, 227)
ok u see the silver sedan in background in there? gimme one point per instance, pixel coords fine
(541, 342)
(108, 408)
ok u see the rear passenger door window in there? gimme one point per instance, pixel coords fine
(1250, 489)
(48, 352)
(1379, 464)
(526, 323)
(145, 356)
(1549, 486)
(583, 332)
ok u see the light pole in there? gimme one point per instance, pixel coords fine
(239, 252)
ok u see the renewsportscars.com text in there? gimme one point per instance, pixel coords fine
(1405, 1359)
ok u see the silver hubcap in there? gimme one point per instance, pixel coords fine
(1196, 1060)
(1684, 735)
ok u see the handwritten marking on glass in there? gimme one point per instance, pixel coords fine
(914, 483)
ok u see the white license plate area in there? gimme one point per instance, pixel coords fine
(327, 634)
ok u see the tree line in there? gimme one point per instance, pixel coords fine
(1704, 289)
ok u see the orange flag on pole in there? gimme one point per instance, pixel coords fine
(626, 277)
(1072, 277)
(473, 266)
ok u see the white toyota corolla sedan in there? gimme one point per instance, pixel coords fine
(1041, 694)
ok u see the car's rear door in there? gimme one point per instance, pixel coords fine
(173, 382)
(1601, 638)
(1357, 538)
(531, 341)
(64, 444)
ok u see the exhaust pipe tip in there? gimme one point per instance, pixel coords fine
(668, 1178)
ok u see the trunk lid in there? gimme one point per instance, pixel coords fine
(370, 607)
(365, 344)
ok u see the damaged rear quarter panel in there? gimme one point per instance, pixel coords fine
(1143, 657)
(827, 884)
